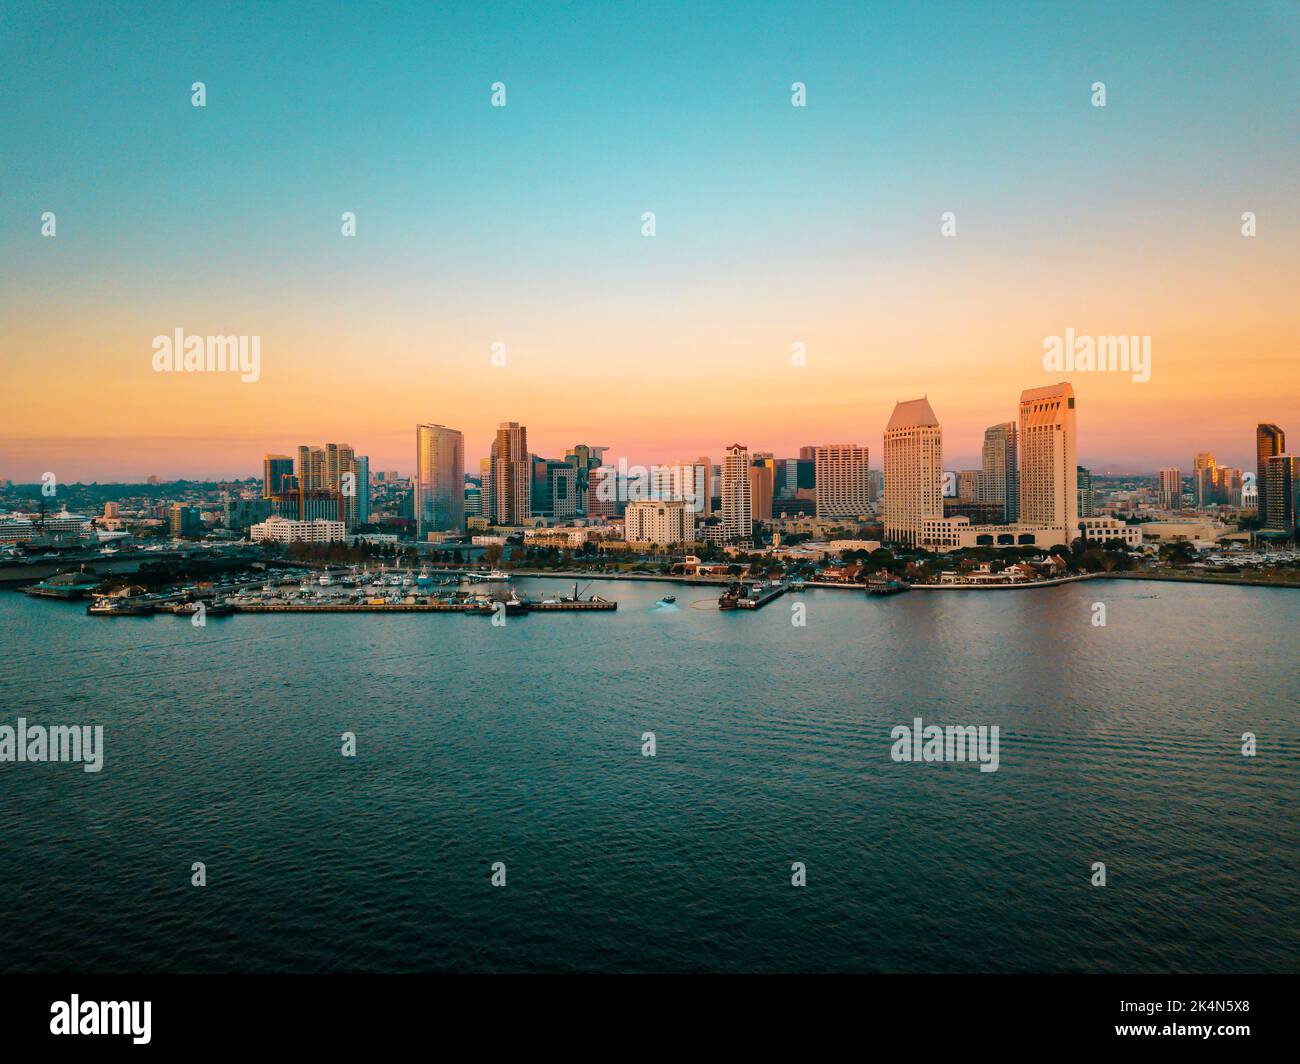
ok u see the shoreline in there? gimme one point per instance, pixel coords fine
(1173, 578)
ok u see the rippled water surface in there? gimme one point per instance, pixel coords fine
(522, 745)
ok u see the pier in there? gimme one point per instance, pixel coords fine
(469, 607)
(754, 601)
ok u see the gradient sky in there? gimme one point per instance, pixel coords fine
(522, 225)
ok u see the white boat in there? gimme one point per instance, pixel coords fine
(326, 579)
(496, 576)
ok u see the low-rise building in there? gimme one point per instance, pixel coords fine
(1103, 530)
(660, 522)
(286, 530)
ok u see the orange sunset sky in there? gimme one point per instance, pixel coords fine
(775, 225)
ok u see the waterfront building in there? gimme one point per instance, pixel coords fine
(1103, 530)
(842, 477)
(1047, 478)
(1282, 493)
(563, 537)
(1269, 441)
(913, 471)
(510, 500)
(1047, 462)
(662, 522)
(439, 481)
(1203, 532)
(360, 505)
(285, 530)
(737, 504)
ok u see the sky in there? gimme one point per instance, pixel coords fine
(522, 225)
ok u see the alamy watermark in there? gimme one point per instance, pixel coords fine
(1098, 354)
(956, 742)
(179, 353)
(679, 482)
(57, 743)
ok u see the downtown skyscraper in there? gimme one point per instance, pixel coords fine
(1269, 441)
(1049, 488)
(998, 482)
(913, 471)
(843, 480)
(510, 471)
(439, 482)
(737, 504)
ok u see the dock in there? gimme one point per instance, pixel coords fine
(754, 601)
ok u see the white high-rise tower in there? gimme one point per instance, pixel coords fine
(737, 506)
(1049, 460)
(913, 471)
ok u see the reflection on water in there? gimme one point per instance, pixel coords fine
(522, 744)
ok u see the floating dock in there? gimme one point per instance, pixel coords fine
(424, 607)
(754, 601)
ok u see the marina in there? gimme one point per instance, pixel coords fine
(379, 591)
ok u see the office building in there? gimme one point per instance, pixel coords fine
(1048, 442)
(438, 486)
(762, 480)
(1269, 441)
(737, 508)
(913, 471)
(999, 476)
(662, 522)
(275, 467)
(842, 478)
(1169, 488)
(1282, 493)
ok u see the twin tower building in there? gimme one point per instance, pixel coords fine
(1042, 483)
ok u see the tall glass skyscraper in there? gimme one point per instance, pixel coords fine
(998, 483)
(439, 480)
(1269, 441)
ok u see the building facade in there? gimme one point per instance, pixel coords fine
(662, 522)
(999, 479)
(439, 482)
(1269, 441)
(737, 511)
(842, 478)
(913, 471)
